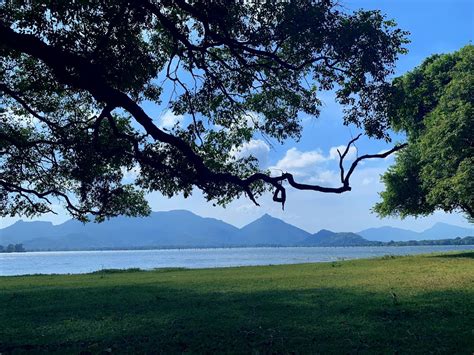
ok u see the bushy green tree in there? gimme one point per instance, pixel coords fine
(74, 76)
(434, 105)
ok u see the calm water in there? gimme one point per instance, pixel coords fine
(76, 262)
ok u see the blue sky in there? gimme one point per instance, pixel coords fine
(436, 26)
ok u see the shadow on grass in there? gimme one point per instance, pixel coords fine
(468, 254)
(159, 318)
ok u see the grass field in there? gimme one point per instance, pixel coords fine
(415, 304)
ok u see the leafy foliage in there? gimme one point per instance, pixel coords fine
(434, 105)
(74, 77)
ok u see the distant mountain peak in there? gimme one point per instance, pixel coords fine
(268, 230)
(445, 225)
(441, 224)
(177, 228)
(328, 238)
(326, 231)
(445, 230)
(267, 218)
(439, 230)
(264, 219)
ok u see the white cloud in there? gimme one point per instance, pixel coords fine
(368, 181)
(351, 154)
(329, 177)
(256, 148)
(325, 177)
(169, 120)
(296, 161)
(309, 163)
(253, 119)
(314, 167)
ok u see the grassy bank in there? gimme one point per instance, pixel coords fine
(404, 304)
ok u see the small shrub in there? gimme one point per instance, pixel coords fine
(389, 257)
(117, 271)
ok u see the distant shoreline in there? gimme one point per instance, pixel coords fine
(470, 241)
(80, 262)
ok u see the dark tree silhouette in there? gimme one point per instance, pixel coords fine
(12, 248)
(75, 77)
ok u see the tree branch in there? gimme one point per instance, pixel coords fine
(76, 71)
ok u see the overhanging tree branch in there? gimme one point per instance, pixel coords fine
(87, 76)
(252, 67)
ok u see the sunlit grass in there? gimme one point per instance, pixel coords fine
(401, 304)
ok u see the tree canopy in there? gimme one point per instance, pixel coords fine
(75, 78)
(434, 105)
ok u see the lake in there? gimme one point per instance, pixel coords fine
(77, 262)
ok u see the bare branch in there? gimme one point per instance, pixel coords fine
(372, 156)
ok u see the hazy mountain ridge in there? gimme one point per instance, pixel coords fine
(181, 228)
(436, 232)
(268, 230)
(328, 238)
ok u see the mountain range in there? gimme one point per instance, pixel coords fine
(180, 228)
(436, 232)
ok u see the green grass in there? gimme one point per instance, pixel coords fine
(416, 304)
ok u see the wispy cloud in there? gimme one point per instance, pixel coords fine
(168, 120)
(256, 148)
(313, 164)
(297, 161)
(351, 154)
